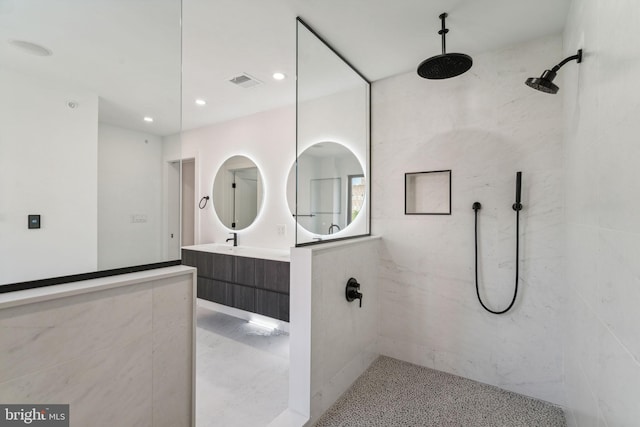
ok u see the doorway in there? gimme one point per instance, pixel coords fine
(188, 201)
(181, 179)
(173, 210)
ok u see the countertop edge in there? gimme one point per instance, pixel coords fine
(46, 293)
(280, 255)
(339, 244)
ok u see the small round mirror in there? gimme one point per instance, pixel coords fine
(331, 188)
(237, 192)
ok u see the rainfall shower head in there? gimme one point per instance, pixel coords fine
(446, 65)
(544, 83)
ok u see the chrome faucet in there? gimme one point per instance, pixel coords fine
(234, 238)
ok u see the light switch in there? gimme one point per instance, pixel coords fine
(34, 221)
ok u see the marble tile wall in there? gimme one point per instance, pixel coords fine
(343, 337)
(484, 125)
(121, 356)
(601, 110)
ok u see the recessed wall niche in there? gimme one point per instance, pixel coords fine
(427, 193)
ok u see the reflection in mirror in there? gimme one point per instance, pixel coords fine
(335, 185)
(237, 193)
(75, 147)
(332, 177)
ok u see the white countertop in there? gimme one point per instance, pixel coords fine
(45, 293)
(243, 251)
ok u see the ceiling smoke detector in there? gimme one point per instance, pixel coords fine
(245, 80)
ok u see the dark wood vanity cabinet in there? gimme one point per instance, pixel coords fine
(257, 285)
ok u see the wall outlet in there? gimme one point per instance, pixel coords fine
(282, 229)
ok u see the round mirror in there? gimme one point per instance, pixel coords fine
(237, 192)
(331, 188)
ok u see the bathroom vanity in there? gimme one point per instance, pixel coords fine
(250, 279)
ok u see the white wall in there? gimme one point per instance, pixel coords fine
(602, 107)
(333, 341)
(132, 161)
(269, 140)
(484, 125)
(48, 159)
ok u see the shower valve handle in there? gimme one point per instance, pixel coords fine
(351, 291)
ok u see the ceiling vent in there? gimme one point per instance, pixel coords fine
(245, 80)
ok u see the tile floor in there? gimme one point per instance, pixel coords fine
(242, 372)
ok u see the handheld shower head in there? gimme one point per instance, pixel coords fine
(544, 83)
(517, 205)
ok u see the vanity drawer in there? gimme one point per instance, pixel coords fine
(216, 291)
(244, 298)
(211, 266)
(245, 271)
(272, 304)
(272, 275)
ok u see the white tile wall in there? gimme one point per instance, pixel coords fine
(602, 346)
(484, 125)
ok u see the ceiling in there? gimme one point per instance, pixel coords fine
(380, 38)
(126, 51)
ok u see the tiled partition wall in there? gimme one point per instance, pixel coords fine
(602, 124)
(118, 350)
(485, 126)
(333, 341)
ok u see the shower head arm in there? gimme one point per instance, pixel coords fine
(442, 32)
(577, 57)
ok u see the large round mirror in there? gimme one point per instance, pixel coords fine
(237, 192)
(331, 188)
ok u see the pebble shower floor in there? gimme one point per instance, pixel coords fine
(395, 393)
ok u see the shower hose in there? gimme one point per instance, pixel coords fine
(515, 292)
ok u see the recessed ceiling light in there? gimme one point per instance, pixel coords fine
(279, 76)
(30, 48)
(148, 119)
(201, 102)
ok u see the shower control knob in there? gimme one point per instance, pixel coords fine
(352, 291)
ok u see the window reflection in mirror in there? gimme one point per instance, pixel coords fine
(356, 196)
(332, 177)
